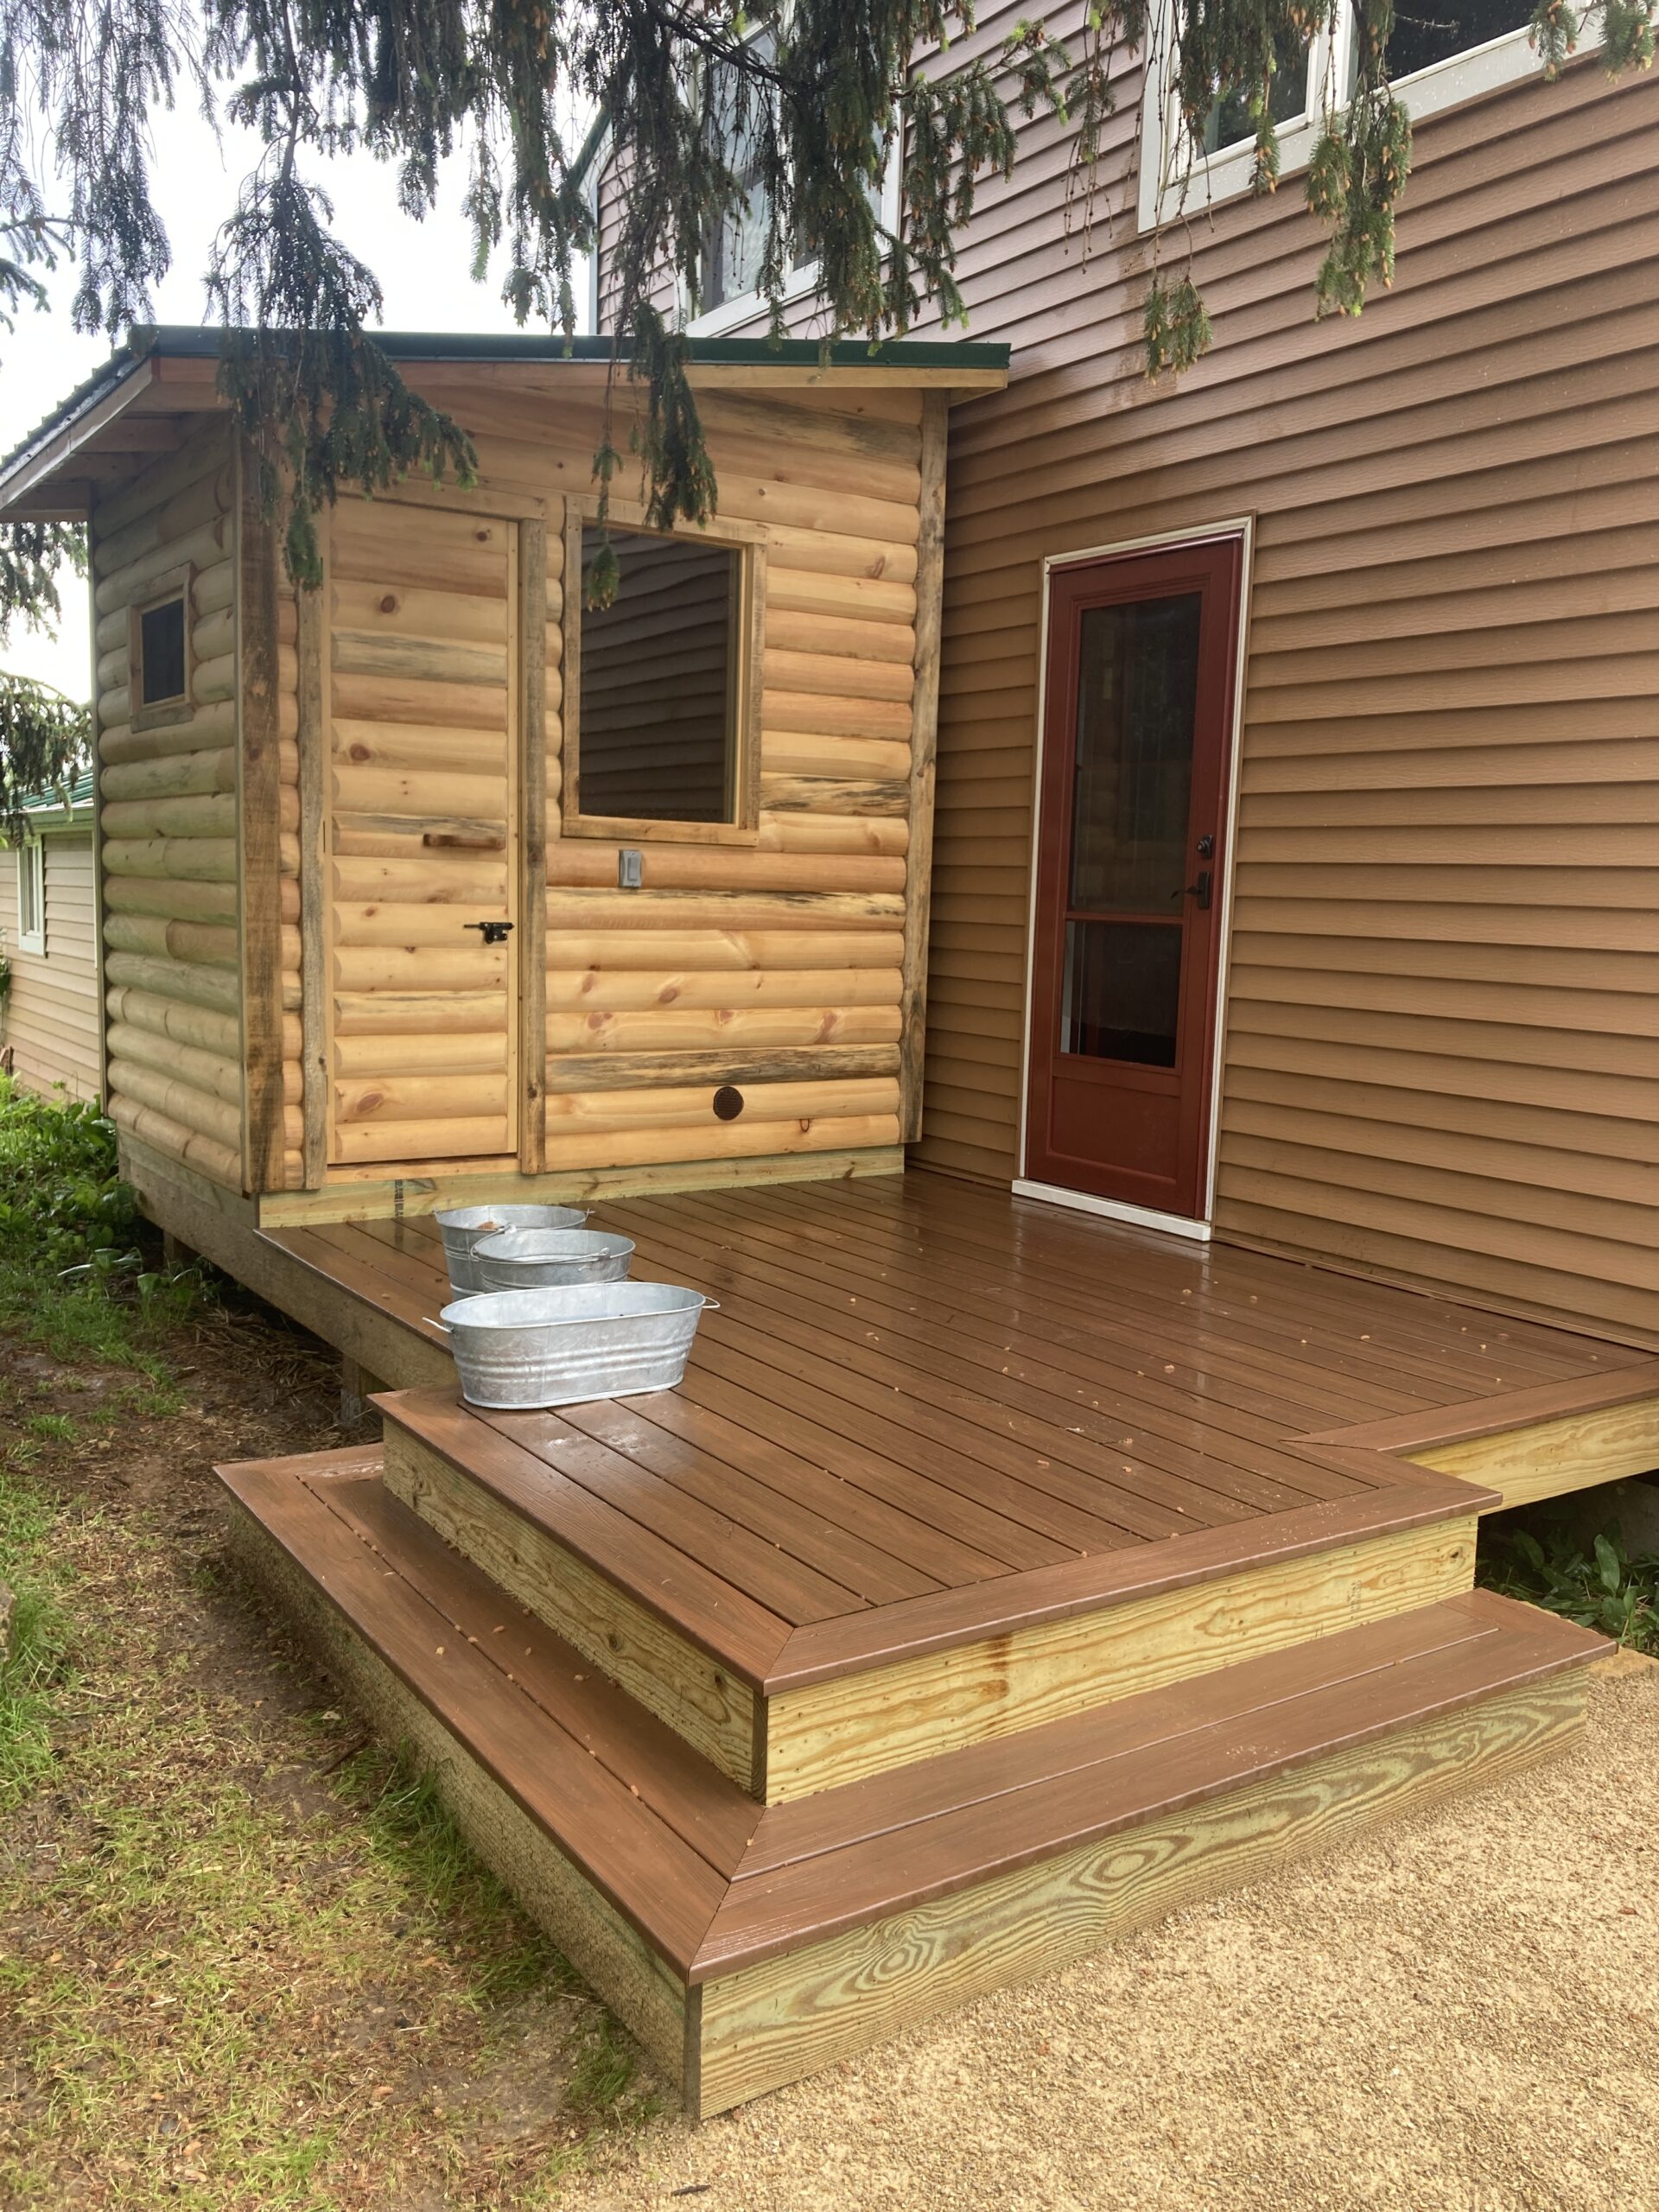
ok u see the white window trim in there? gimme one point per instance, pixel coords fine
(730, 315)
(31, 863)
(1226, 175)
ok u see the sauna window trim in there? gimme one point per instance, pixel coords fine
(31, 873)
(748, 541)
(177, 585)
(1228, 173)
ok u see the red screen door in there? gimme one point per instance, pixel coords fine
(1136, 748)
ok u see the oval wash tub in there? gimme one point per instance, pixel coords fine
(463, 1227)
(517, 1350)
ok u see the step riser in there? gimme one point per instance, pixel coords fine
(686, 1689)
(800, 1741)
(770, 2023)
(644, 1992)
(864, 1723)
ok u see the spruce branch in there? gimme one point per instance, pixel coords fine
(44, 744)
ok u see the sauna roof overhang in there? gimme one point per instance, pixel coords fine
(128, 413)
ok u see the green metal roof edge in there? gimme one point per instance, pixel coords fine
(78, 807)
(196, 342)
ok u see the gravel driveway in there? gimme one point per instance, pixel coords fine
(1459, 2015)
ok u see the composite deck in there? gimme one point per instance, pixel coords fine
(915, 1388)
(997, 1578)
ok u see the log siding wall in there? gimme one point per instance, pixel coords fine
(49, 1023)
(775, 963)
(170, 810)
(1441, 1030)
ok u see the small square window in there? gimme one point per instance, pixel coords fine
(655, 719)
(161, 653)
(160, 661)
(31, 897)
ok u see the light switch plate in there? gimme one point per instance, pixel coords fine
(630, 868)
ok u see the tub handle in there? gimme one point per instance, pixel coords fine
(711, 1306)
(432, 1324)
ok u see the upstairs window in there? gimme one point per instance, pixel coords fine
(662, 688)
(1440, 54)
(160, 661)
(1422, 40)
(734, 249)
(31, 897)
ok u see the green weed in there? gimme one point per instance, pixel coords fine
(1605, 1588)
(73, 1275)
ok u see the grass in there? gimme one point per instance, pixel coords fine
(246, 1961)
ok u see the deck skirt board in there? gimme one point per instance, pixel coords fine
(747, 1946)
(917, 1709)
(795, 2012)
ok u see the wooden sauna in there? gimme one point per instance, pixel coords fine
(434, 881)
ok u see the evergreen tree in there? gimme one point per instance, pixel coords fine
(814, 91)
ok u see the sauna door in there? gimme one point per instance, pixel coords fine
(421, 830)
(1137, 745)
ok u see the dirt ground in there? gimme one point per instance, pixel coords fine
(244, 1962)
(236, 1970)
(1459, 2015)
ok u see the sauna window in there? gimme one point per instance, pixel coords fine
(159, 654)
(31, 897)
(662, 685)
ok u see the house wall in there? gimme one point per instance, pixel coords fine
(775, 965)
(1440, 1060)
(49, 1022)
(169, 820)
(1440, 1057)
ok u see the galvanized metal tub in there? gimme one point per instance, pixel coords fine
(462, 1227)
(536, 1259)
(518, 1350)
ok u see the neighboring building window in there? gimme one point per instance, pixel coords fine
(159, 658)
(31, 897)
(1437, 60)
(659, 714)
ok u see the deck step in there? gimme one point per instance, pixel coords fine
(746, 1945)
(649, 1571)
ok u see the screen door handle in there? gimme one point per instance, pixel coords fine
(1200, 890)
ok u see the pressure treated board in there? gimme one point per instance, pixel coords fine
(793, 2014)
(747, 1948)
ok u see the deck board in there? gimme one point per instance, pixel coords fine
(927, 1411)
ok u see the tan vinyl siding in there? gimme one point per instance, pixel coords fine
(1439, 1059)
(49, 1024)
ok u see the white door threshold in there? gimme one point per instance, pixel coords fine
(1172, 1224)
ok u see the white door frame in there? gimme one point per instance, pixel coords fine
(1241, 530)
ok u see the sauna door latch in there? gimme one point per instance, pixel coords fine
(494, 933)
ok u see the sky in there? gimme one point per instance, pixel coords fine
(424, 269)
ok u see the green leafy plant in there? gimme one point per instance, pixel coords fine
(1605, 1588)
(72, 1269)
